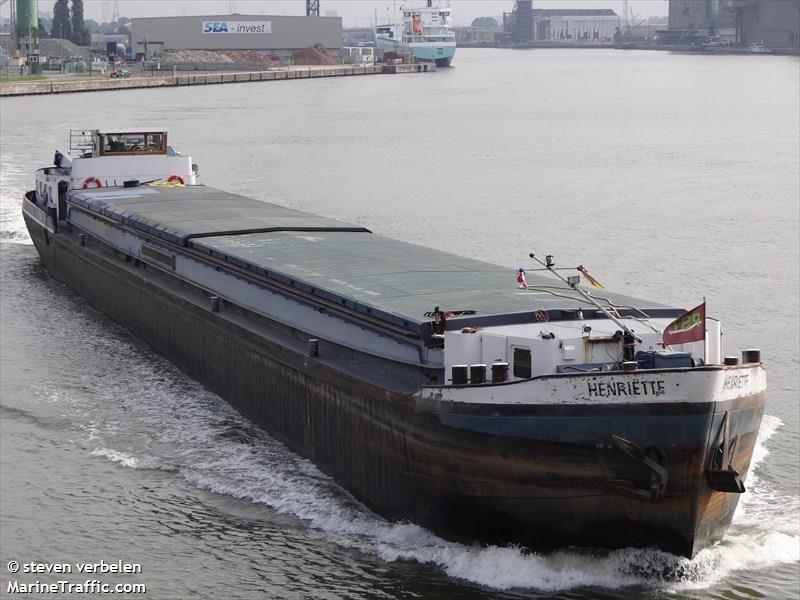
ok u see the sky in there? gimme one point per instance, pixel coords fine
(354, 13)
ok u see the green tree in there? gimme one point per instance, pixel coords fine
(42, 29)
(485, 23)
(61, 27)
(92, 26)
(80, 35)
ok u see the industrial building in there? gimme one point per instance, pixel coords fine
(575, 24)
(774, 22)
(527, 24)
(699, 19)
(282, 35)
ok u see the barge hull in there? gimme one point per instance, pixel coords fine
(402, 457)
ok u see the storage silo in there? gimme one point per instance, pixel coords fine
(27, 18)
(27, 32)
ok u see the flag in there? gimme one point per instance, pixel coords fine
(588, 277)
(523, 285)
(689, 327)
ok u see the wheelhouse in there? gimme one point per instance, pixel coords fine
(130, 143)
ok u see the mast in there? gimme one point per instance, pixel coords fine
(572, 282)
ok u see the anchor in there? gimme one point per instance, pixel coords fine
(720, 474)
(659, 476)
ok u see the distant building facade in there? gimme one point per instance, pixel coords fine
(709, 15)
(589, 24)
(694, 21)
(152, 36)
(775, 22)
(522, 22)
(527, 24)
(359, 36)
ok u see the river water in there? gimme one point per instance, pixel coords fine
(669, 176)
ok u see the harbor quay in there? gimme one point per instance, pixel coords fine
(59, 86)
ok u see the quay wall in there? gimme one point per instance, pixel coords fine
(21, 88)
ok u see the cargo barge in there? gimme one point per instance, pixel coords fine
(433, 387)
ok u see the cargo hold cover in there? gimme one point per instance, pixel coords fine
(177, 214)
(337, 262)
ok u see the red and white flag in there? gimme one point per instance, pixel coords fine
(521, 283)
(689, 327)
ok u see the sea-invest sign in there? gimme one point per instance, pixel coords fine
(237, 26)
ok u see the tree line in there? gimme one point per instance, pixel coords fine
(68, 24)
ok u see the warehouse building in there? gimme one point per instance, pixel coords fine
(586, 24)
(527, 24)
(282, 35)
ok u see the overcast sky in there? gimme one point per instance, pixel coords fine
(355, 13)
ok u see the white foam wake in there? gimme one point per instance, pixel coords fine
(223, 454)
(129, 460)
(505, 567)
(12, 225)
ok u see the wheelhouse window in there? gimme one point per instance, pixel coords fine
(522, 363)
(133, 143)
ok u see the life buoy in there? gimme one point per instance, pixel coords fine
(177, 178)
(92, 179)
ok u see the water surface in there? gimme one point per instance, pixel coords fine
(669, 176)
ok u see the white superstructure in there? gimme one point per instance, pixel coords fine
(424, 30)
(108, 158)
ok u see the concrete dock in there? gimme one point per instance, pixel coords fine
(56, 86)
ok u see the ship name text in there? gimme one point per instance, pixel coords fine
(606, 389)
(735, 382)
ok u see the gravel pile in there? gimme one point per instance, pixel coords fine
(220, 56)
(314, 55)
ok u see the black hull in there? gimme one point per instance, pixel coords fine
(406, 459)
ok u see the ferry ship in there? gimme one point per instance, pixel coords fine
(424, 30)
(485, 403)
